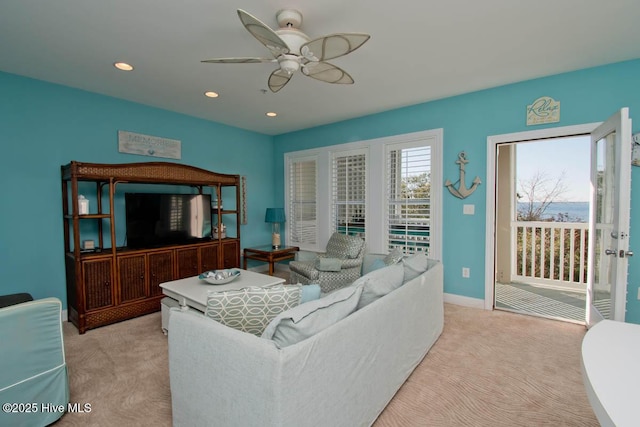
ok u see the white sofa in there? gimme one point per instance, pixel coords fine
(344, 375)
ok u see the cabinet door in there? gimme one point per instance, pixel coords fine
(160, 271)
(231, 254)
(209, 258)
(132, 280)
(98, 283)
(188, 265)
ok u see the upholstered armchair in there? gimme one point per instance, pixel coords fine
(339, 266)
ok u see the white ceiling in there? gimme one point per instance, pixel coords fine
(420, 50)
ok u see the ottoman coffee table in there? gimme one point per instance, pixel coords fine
(191, 293)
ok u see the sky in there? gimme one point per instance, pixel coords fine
(552, 157)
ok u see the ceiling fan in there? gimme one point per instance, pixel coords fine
(293, 50)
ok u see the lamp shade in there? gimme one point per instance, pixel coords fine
(274, 215)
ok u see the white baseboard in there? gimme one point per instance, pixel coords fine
(464, 301)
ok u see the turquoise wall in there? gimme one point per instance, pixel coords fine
(46, 125)
(586, 96)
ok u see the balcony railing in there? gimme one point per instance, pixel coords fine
(550, 253)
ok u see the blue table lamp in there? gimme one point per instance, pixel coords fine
(275, 216)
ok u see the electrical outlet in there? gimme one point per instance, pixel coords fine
(466, 272)
(639, 293)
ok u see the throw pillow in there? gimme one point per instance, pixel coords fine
(329, 264)
(310, 293)
(415, 265)
(306, 320)
(377, 264)
(251, 309)
(372, 262)
(394, 256)
(378, 283)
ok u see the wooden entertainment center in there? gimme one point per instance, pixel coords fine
(110, 284)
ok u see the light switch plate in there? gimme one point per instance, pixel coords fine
(469, 209)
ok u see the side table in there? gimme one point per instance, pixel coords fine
(270, 255)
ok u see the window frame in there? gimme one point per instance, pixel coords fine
(376, 201)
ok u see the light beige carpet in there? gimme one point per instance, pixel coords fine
(487, 369)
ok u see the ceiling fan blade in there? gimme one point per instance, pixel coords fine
(326, 72)
(239, 60)
(278, 79)
(333, 46)
(264, 34)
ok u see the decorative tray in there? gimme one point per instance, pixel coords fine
(220, 277)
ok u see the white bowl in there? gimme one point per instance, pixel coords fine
(220, 277)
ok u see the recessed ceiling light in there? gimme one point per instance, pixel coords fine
(123, 66)
(211, 94)
(271, 114)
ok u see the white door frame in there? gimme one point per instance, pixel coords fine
(492, 143)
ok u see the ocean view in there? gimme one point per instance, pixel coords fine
(575, 211)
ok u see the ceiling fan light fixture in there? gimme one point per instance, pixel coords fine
(211, 94)
(270, 114)
(289, 63)
(123, 66)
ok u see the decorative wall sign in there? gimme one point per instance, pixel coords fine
(543, 110)
(243, 200)
(462, 192)
(147, 145)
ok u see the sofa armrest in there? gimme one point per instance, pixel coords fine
(219, 375)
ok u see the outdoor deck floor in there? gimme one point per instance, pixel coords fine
(539, 301)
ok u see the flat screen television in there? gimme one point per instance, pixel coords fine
(156, 219)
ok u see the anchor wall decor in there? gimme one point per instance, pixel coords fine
(462, 191)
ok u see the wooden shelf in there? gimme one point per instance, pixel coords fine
(115, 284)
(90, 216)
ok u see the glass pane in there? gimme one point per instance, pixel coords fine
(349, 193)
(302, 201)
(409, 198)
(604, 209)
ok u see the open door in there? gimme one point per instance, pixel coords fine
(609, 219)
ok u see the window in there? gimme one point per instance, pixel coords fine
(408, 194)
(388, 190)
(301, 216)
(348, 185)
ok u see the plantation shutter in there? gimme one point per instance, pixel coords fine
(408, 190)
(301, 217)
(349, 192)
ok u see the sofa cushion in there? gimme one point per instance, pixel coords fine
(379, 282)
(251, 309)
(415, 265)
(308, 319)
